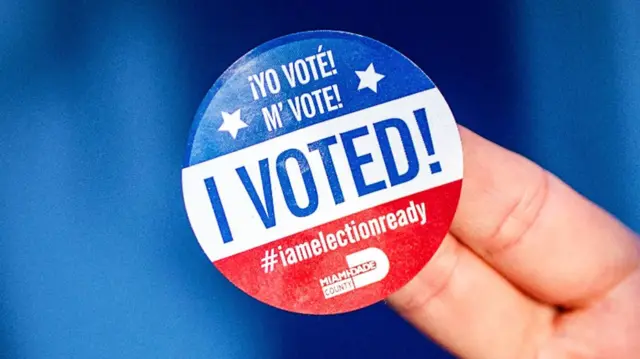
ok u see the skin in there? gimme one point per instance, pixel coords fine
(530, 269)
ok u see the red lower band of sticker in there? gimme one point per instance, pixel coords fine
(310, 272)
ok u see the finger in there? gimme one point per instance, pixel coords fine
(467, 307)
(580, 334)
(535, 230)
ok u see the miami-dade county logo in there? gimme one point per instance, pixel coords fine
(322, 172)
(366, 267)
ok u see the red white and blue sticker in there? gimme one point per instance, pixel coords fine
(323, 171)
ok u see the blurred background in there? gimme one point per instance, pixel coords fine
(97, 258)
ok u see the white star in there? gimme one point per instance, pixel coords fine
(369, 78)
(232, 123)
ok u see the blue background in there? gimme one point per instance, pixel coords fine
(97, 259)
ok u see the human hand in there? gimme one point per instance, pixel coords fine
(529, 270)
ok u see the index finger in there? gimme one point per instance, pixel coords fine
(536, 231)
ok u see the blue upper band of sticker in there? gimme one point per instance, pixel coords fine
(233, 91)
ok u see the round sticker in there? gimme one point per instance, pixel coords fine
(323, 171)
